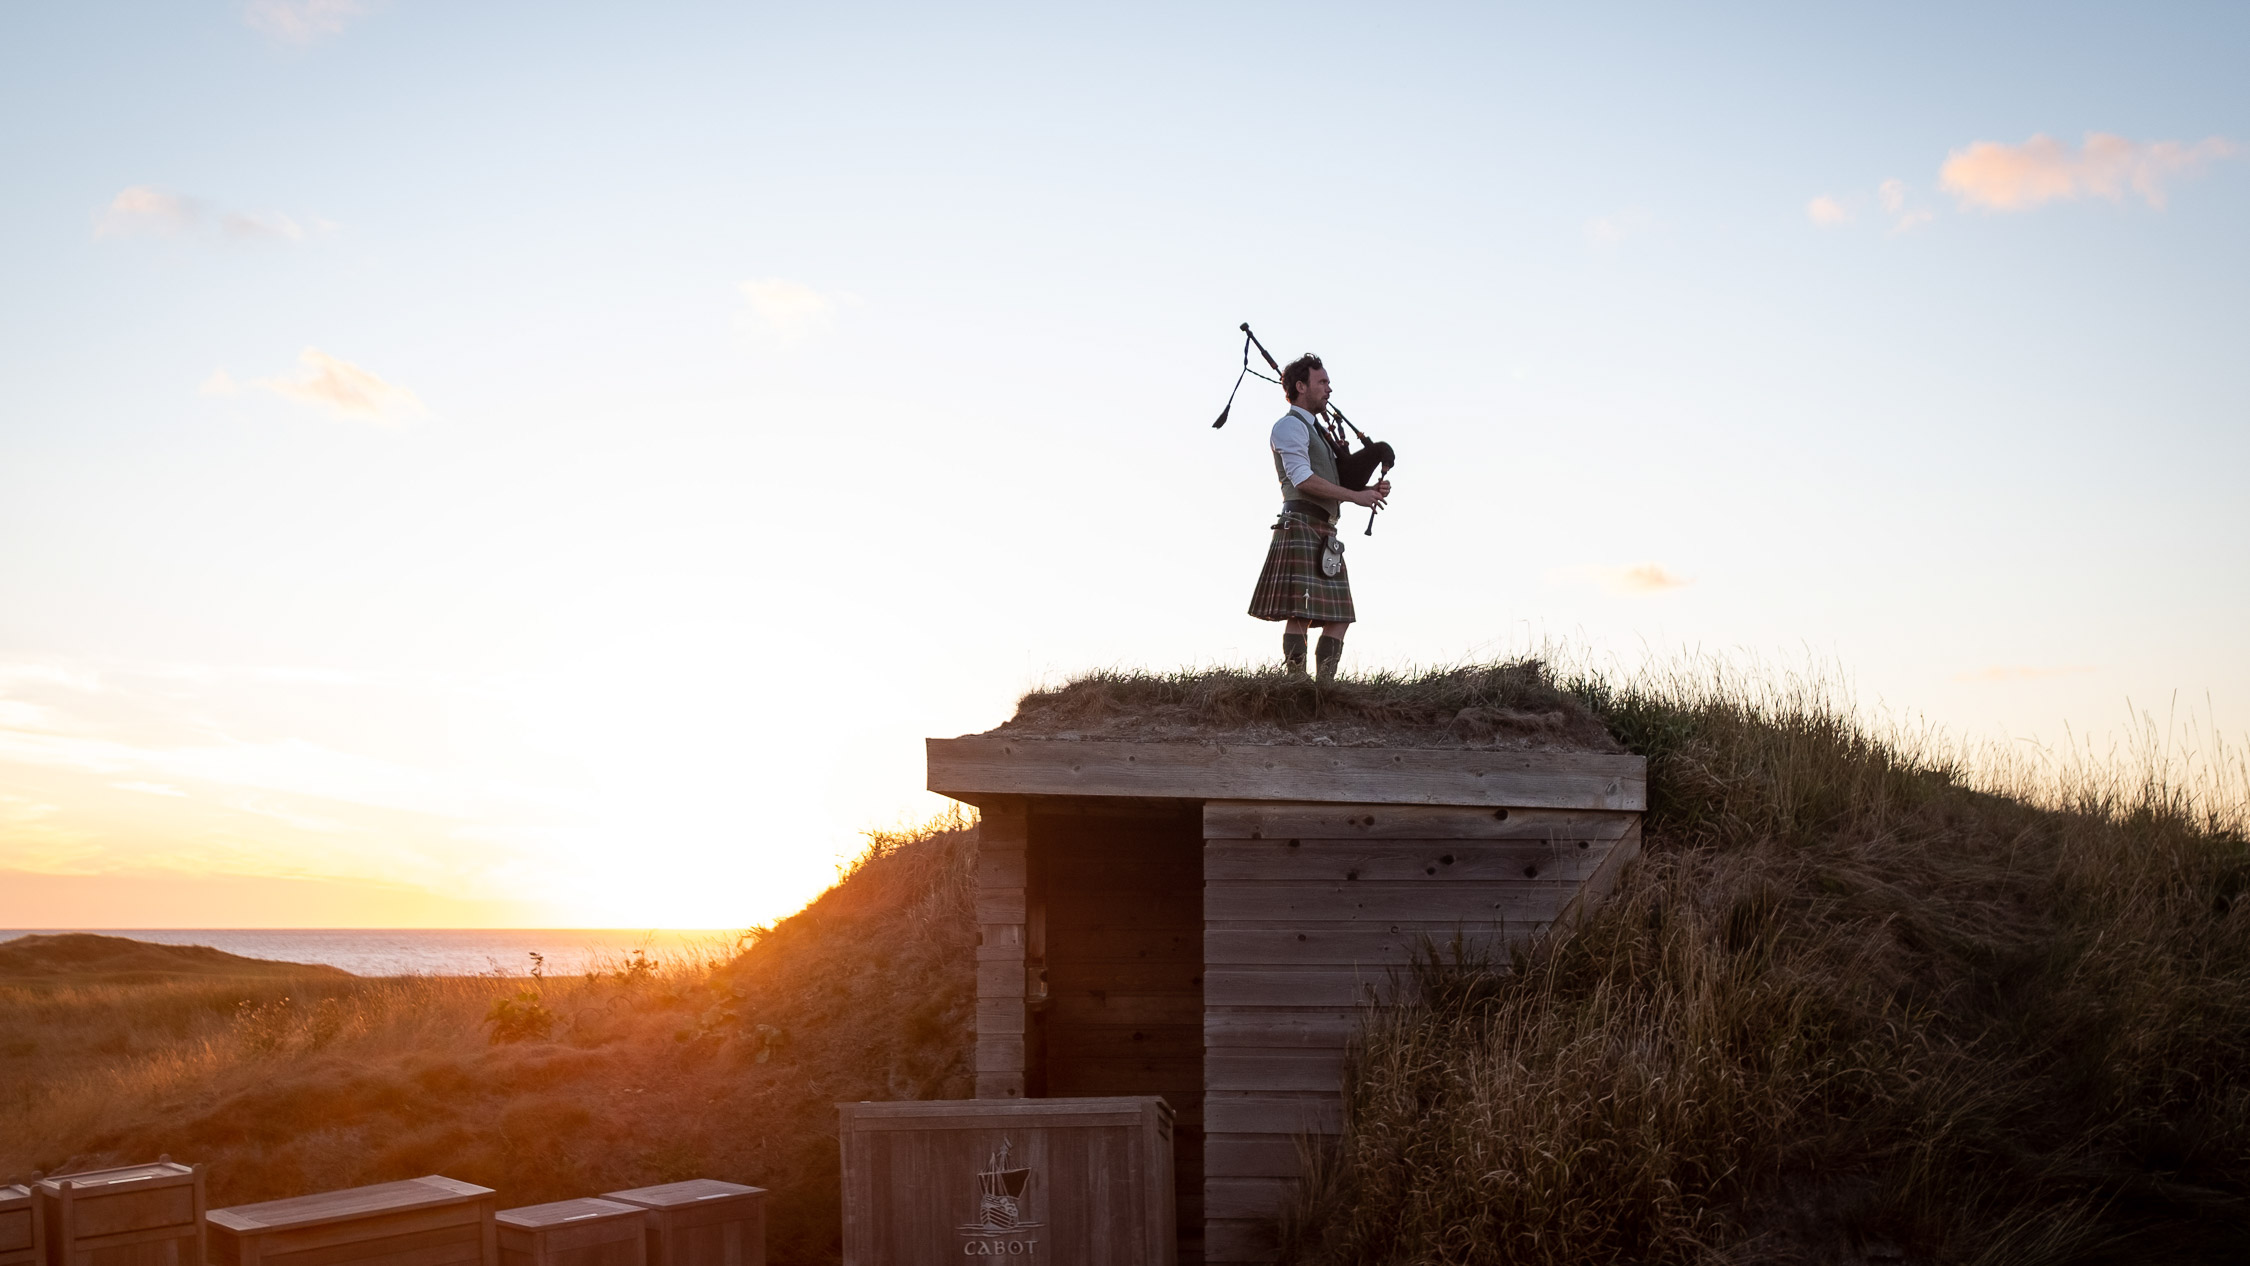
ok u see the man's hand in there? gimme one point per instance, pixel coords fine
(1372, 498)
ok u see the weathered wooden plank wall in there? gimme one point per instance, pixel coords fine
(1311, 911)
(1117, 906)
(1002, 837)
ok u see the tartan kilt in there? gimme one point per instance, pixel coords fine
(1291, 586)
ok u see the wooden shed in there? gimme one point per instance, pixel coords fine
(1205, 921)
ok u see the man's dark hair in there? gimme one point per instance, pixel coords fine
(1296, 372)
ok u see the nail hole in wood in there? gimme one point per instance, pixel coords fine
(1292, 843)
(1446, 860)
(1501, 814)
(1531, 872)
(1585, 844)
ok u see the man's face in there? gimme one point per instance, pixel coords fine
(1314, 395)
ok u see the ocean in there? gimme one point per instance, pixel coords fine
(427, 951)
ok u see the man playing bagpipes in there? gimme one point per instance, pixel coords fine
(1304, 581)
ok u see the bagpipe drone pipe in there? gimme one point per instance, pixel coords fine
(1355, 469)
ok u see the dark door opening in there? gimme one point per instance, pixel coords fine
(1114, 957)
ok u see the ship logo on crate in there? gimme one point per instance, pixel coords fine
(1003, 1197)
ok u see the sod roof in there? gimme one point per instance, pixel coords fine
(1484, 707)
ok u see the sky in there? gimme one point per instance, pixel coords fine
(551, 465)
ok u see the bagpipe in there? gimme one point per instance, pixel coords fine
(1354, 470)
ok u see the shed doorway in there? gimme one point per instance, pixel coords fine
(1114, 968)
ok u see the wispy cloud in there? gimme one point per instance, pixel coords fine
(1892, 194)
(1646, 578)
(36, 835)
(1999, 177)
(789, 310)
(220, 383)
(271, 225)
(146, 211)
(1609, 230)
(344, 387)
(2024, 672)
(301, 22)
(1827, 212)
(1636, 580)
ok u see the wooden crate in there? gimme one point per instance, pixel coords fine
(702, 1222)
(21, 1243)
(429, 1221)
(586, 1232)
(133, 1215)
(1083, 1181)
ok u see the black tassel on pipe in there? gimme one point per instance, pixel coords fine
(1246, 337)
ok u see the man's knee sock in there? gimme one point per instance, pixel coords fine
(1293, 652)
(1327, 655)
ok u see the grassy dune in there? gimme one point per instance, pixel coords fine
(646, 1072)
(1847, 1008)
(1854, 1004)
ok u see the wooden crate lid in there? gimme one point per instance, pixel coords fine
(673, 1195)
(154, 1172)
(426, 1192)
(532, 1217)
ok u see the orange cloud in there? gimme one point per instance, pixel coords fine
(2002, 177)
(144, 209)
(346, 388)
(1827, 212)
(1646, 578)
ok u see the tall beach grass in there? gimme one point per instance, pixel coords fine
(708, 1063)
(1862, 998)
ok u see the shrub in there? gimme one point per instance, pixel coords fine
(520, 1017)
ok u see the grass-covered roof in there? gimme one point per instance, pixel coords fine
(1516, 704)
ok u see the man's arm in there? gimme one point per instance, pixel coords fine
(1292, 435)
(1373, 498)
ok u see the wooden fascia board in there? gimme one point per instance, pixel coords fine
(982, 765)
